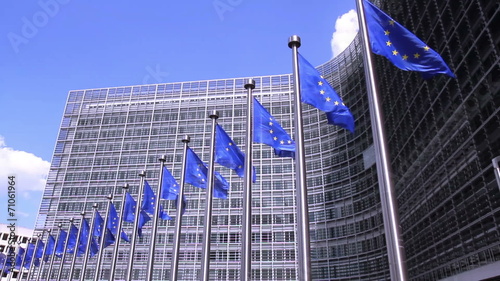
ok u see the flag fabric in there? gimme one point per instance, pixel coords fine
(403, 48)
(19, 258)
(170, 189)
(84, 240)
(149, 202)
(197, 175)
(3, 262)
(98, 229)
(316, 91)
(49, 250)
(29, 256)
(73, 234)
(113, 222)
(129, 213)
(268, 131)
(61, 240)
(228, 154)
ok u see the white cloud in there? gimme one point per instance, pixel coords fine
(346, 28)
(30, 170)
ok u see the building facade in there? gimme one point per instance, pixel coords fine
(442, 133)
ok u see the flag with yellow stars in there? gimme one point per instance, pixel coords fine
(197, 175)
(228, 154)
(170, 189)
(316, 91)
(405, 50)
(268, 131)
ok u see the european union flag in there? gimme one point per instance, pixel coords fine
(170, 189)
(197, 175)
(113, 222)
(51, 243)
(73, 234)
(268, 131)
(84, 239)
(61, 240)
(405, 50)
(98, 229)
(3, 260)
(19, 257)
(149, 202)
(228, 154)
(316, 91)
(29, 255)
(129, 213)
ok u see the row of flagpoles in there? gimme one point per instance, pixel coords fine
(381, 35)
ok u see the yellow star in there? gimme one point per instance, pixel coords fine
(275, 138)
(426, 48)
(336, 103)
(227, 149)
(328, 99)
(230, 144)
(271, 131)
(282, 142)
(405, 57)
(343, 104)
(289, 142)
(388, 43)
(417, 55)
(322, 92)
(391, 22)
(270, 123)
(239, 166)
(387, 32)
(395, 52)
(320, 83)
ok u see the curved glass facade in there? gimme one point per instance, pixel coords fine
(442, 134)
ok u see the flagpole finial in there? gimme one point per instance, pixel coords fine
(250, 84)
(71, 219)
(82, 213)
(59, 225)
(126, 186)
(142, 173)
(162, 158)
(109, 197)
(186, 139)
(94, 206)
(49, 230)
(214, 114)
(294, 40)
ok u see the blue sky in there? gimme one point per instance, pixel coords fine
(50, 47)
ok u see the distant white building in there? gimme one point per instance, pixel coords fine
(20, 237)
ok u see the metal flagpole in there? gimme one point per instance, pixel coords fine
(77, 246)
(178, 218)
(304, 243)
(89, 239)
(246, 236)
(395, 247)
(33, 256)
(43, 256)
(118, 234)
(207, 226)
(151, 257)
(65, 248)
(135, 231)
(20, 275)
(9, 276)
(49, 272)
(102, 240)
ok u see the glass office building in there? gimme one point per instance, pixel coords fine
(443, 134)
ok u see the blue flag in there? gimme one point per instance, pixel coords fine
(51, 242)
(197, 175)
(268, 131)
(129, 213)
(98, 229)
(405, 50)
(170, 189)
(73, 235)
(19, 257)
(316, 91)
(84, 239)
(113, 222)
(149, 202)
(29, 255)
(228, 154)
(3, 260)
(61, 240)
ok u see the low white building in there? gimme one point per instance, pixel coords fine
(13, 236)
